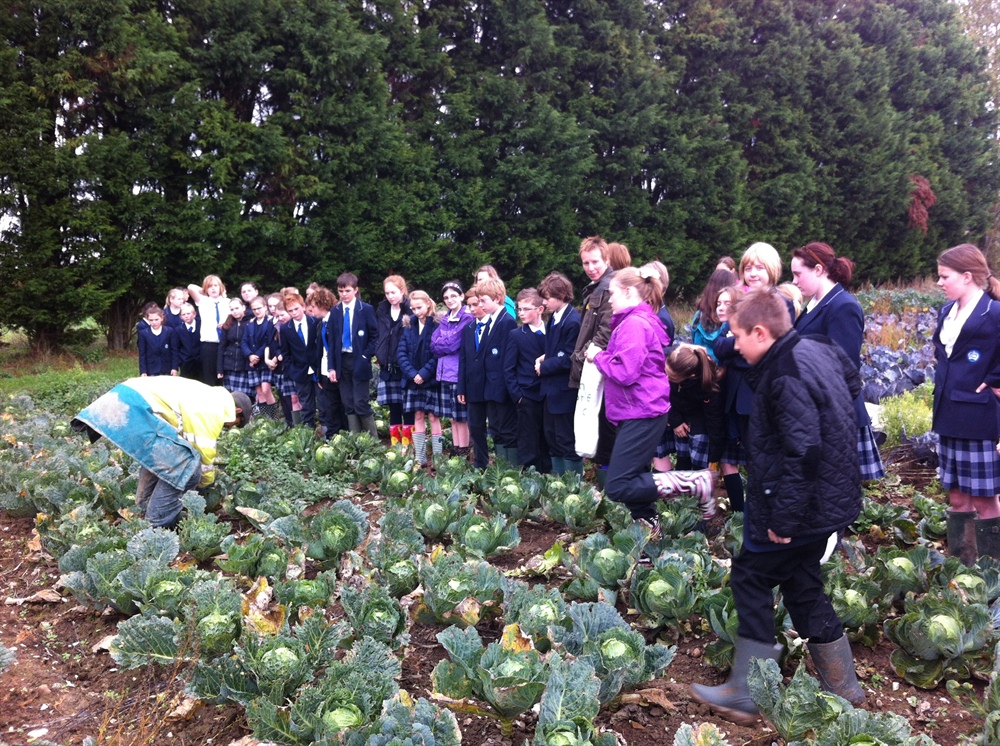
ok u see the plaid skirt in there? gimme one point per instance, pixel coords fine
(421, 400)
(970, 466)
(284, 385)
(389, 392)
(260, 374)
(448, 405)
(733, 453)
(695, 447)
(239, 380)
(869, 458)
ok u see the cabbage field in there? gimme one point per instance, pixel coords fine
(332, 592)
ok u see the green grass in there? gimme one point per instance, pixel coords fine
(61, 382)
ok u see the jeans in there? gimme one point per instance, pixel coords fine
(160, 501)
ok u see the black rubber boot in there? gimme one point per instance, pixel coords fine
(834, 663)
(988, 537)
(732, 699)
(962, 536)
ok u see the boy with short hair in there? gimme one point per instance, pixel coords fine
(158, 354)
(804, 486)
(353, 339)
(480, 374)
(299, 339)
(525, 345)
(553, 369)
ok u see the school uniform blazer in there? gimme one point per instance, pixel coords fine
(839, 317)
(560, 341)
(523, 348)
(364, 339)
(189, 343)
(299, 357)
(959, 412)
(158, 354)
(491, 350)
(255, 339)
(480, 372)
(413, 353)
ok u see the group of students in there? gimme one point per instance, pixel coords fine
(766, 382)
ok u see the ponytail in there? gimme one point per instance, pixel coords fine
(646, 282)
(692, 361)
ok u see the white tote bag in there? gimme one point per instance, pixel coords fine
(588, 406)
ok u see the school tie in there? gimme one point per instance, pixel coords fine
(479, 333)
(218, 320)
(326, 345)
(298, 328)
(346, 341)
(540, 333)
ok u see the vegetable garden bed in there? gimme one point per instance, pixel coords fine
(334, 550)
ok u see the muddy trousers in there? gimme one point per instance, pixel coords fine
(160, 501)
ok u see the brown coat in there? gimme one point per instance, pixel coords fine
(595, 323)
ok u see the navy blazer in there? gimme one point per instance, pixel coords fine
(839, 317)
(739, 395)
(959, 412)
(523, 347)
(158, 354)
(560, 342)
(298, 358)
(480, 373)
(189, 343)
(413, 353)
(364, 339)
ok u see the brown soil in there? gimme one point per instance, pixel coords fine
(64, 687)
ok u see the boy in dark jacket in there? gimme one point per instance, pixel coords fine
(804, 486)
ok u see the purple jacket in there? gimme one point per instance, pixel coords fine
(446, 340)
(635, 382)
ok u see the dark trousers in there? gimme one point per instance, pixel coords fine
(354, 392)
(796, 571)
(560, 435)
(606, 433)
(503, 423)
(210, 364)
(477, 433)
(630, 481)
(532, 449)
(307, 398)
(191, 369)
(331, 409)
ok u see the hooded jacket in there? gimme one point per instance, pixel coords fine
(635, 382)
(803, 474)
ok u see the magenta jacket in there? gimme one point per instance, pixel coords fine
(635, 381)
(446, 340)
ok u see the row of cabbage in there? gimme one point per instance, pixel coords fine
(283, 598)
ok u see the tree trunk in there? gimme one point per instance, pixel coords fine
(119, 322)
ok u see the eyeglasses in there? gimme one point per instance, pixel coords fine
(526, 310)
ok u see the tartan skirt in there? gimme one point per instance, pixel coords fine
(969, 466)
(733, 453)
(695, 447)
(260, 374)
(421, 400)
(239, 380)
(448, 405)
(869, 458)
(284, 385)
(389, 392)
